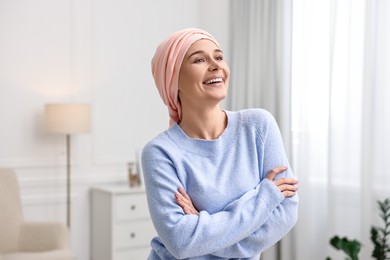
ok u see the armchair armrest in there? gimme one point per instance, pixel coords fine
(43, 236)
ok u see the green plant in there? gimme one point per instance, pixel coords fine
(350, 247)
(379, 236)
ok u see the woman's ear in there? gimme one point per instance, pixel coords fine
(178, 96)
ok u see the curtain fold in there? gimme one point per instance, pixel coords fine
(375, 115)
(341, 118)
(260, 58)
(333, 108)
(260, 63)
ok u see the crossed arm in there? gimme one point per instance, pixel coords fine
(243, 228)
(287, 187)
(263, 238)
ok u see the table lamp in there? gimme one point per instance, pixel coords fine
(68, 119)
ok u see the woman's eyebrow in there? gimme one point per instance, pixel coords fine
(201, 51)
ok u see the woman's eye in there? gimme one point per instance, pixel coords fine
(219, 58)
(199, 60)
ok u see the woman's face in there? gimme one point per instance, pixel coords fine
(204, 75)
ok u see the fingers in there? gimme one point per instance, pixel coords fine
(282, 181)
(185, 202)
(287, 194)
(287, 186)
(275, 171)
(184, 194)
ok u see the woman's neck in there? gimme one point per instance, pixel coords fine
(204, 124)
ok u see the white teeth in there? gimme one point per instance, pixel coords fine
(211, 81)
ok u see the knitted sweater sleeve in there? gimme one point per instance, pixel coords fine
(282, 218)
(186, 236)
(280, 222)
(242, 229)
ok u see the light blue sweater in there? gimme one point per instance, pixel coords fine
(241, 213)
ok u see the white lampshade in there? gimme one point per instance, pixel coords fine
(68, 118)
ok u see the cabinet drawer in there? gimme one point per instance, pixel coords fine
(130, 207)
(132, 254)
(134, 234)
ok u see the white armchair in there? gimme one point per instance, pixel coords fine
(20, 239)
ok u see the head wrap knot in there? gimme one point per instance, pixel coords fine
(166, 65)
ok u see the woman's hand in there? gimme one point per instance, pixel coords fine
(287, 186)
(185, 202)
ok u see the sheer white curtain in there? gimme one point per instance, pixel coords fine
(260, 63)
(341, 120)
(340, 91)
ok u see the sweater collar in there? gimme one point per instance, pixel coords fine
(202, 146)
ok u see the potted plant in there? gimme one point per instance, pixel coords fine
(379, 237)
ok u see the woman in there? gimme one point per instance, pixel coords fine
(217, 181)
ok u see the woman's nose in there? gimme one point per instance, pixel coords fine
(214, 65)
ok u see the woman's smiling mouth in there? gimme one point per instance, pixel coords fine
(213, 81)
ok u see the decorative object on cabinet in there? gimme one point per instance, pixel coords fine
(120, 223)
(133, 175)
(68, 119)
(138, 167)
(21, 239)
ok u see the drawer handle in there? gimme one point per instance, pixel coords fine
(132, 207)
(132, 235)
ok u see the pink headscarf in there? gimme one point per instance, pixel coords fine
(166, 65)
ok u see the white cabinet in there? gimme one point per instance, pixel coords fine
(120, 223)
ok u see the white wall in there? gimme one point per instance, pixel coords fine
(95, 51)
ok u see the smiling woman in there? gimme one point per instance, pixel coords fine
(203, 83)
(218, 182)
